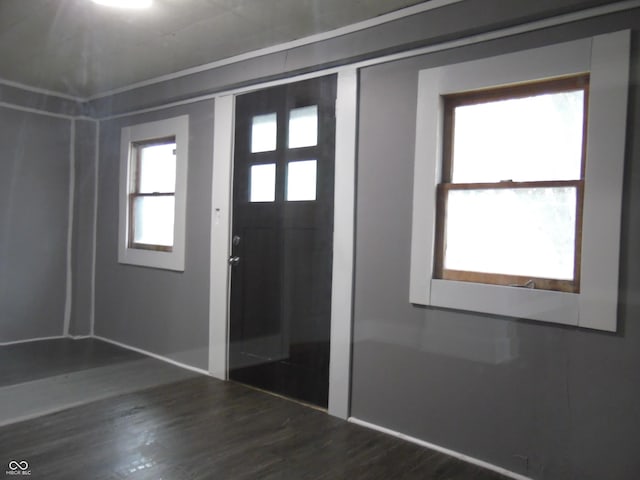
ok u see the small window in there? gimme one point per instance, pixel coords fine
(301, 180)
(264, 133)
(510, 201)
(152, 197)
(262, 183)
(153, 193)
(303, 127)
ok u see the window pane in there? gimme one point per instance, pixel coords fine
(526, 231)
(263, 183)
(303, 127)
(526, 139)
(153, 220)
(301, 180)
(157, 168)
(264, 131)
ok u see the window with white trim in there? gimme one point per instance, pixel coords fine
(153, 174)
(152, 167)
(509, 208)
(497, 208)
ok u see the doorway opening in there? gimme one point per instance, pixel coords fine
(282, 239)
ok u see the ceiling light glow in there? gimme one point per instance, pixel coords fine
(130, 4)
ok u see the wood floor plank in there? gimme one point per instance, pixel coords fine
(46, 395)
(30, 361)
(202, 428)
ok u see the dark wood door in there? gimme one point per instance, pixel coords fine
(282, 239)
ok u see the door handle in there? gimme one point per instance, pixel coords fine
(234, 260)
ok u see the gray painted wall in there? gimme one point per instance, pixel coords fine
(34, 204)
(431, 27)
(39, 101)
(547, 401)
(83, 215)
(160, 311)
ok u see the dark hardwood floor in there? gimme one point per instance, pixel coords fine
(24, 362)
(203, 428)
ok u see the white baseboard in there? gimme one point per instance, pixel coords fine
(446, 451)
(154, 355)
(29, 340)
(41, 339)
(113, 342)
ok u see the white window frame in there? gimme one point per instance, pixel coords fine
(606, 59)
(177, 127)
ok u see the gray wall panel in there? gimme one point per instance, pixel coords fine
(83, 213)
(157, 310)
(207, 82)
(34, 204)
(39, 101)
(547, 401)
(445, 23)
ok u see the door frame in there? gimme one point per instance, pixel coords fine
(343, 233)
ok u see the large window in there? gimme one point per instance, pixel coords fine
(510, 201)
(518, 183)
(153, 193)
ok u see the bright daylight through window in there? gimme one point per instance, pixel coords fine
(152, 197)
(509, 205)
(301, 175)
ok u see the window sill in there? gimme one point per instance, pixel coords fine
(543, 305)
(152, 259)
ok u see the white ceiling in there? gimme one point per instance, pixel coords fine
(82, 49)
